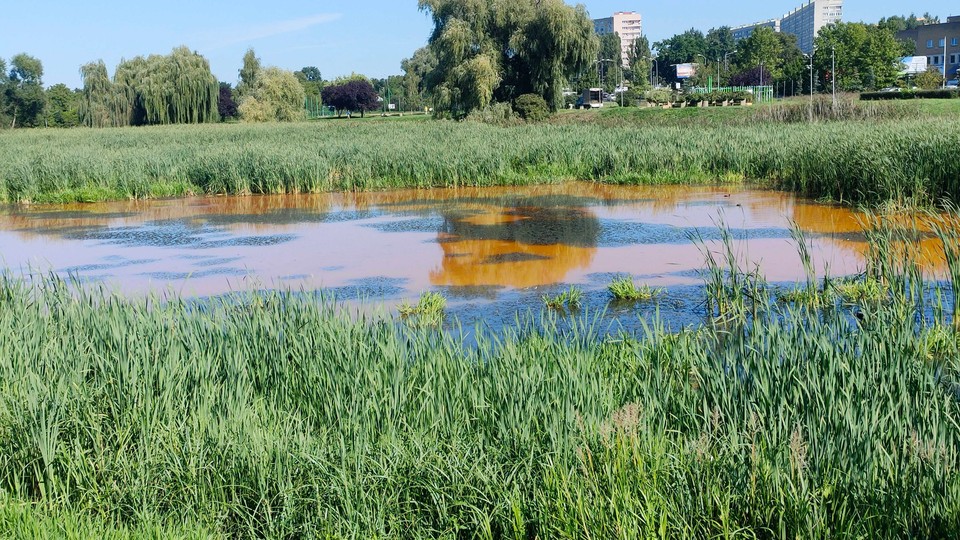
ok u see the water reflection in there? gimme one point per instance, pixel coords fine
(475, 243)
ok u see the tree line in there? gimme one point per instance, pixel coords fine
(478, 55)
(178, 88)
(867, 56)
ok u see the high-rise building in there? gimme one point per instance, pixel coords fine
(939, 43)
(626, 24)
(804, 22)
(746, 30)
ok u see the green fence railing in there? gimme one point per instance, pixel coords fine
(761, 94)
(315, 107)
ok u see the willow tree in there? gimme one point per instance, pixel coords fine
(174, 89)
(97, 99)
(498, 50)
(277, 95)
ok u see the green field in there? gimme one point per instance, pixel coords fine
(275, 415)
(906, 156)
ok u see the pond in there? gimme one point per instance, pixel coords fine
(493, 252)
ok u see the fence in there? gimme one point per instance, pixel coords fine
(761, 94)
(315, 107)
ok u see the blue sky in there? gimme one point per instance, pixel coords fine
(367, 36)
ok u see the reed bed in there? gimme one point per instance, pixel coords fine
(276, 415)
(847, 161)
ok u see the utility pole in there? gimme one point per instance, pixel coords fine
(944, 61)
(833, 76)
(814, 51)
(726, 65)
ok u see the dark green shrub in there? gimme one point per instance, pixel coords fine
(532, 108)
(943, 93)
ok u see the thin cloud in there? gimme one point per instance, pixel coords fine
(276, 29)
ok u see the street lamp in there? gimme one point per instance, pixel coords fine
(833, 76)
(726, 66)
(704, 61)
(600, 81)
(810, 56)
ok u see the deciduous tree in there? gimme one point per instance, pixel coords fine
(226, 105)
(417, 70)
(23, 95)
(276, 95)
(499, 50)
(679, 49)
(867, 56)
(641, 62)
(248, 73)
(351, 95)
(62, 107)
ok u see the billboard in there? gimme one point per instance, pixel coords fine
(912, 65)
(685, 71)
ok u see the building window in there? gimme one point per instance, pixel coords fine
(941, 43)
(953, 42)
(929, 43)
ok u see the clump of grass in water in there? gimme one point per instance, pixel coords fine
(625, 289)
(428, 311)
(859, 290)
(570, 299)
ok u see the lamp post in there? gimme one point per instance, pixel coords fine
(810, 56)
(944, 62)
(726, 66)
(833, 76)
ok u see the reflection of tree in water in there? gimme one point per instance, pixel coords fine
(538, 225)
(519, 245)
(844, 228)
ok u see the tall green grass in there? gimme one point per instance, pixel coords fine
(278, 416)
(849, 161)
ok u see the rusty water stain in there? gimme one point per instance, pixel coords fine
(482, 241)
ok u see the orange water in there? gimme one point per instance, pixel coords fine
(470, 237)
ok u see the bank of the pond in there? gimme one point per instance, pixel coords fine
(867, 162)
(278, 416)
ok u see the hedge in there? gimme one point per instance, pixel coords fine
(947, 93)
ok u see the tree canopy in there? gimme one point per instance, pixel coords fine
(899, 23)
(275, 95)
(499, 50)
(680, 49)
(867, 56)
(640, 62)
(416, 79)
(311, 80)
(22, 99)
(62, 106)
(174, 89)
(768, 54)
(356, 94)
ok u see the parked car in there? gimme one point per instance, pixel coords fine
(953, 83)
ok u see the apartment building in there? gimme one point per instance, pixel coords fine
(626, 24)
(746, 30)
(939, 43)
(804, 22)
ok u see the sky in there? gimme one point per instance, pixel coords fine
(338, 37)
